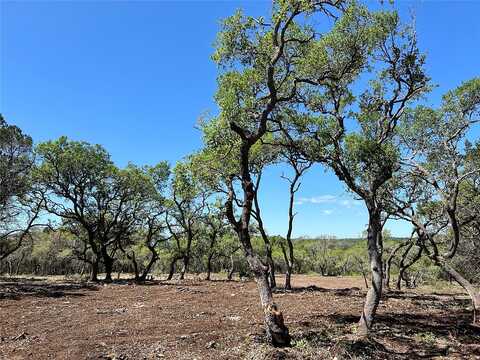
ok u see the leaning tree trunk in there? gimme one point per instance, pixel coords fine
(467, 285)
(375, 248)
(146, 271)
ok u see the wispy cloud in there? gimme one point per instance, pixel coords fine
(328, 199)
(321, 199)
(327, 212)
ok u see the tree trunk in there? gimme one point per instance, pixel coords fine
(268, 250)
(467, 285)
(266, 240)
(108, 262)
(145, 272)
(135, 267)
(375, 247)
(172, 268)
(94, 273)
(232, 268)
(276, 331)
(388, 265)
(186, 261)
(403, 267)
(209, 265)
(289, 267)
(271, 268)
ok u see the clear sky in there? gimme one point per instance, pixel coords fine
(135, 76)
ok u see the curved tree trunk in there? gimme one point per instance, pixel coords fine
(388, 265)
(276, 331)
(146, 271)
(266, 240)
(403, 267)
(467, 285)
(375, 248)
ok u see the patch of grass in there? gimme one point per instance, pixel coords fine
(428, 338)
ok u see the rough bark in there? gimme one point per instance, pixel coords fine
(375, 248)
(266, 240)
(276, 331)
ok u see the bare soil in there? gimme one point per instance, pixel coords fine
(196, 319)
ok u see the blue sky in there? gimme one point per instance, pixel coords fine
(135, 76)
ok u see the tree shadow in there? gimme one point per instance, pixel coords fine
(395, 336)
(20, 288)
(353, 291)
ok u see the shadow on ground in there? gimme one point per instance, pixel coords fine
(18, 288)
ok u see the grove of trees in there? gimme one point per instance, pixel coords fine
(349, 98)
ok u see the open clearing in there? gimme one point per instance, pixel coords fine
(196, 319)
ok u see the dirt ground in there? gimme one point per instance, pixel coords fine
(195, 319)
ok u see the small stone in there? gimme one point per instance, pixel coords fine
(211, 345)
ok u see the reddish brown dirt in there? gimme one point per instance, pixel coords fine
(197, 319)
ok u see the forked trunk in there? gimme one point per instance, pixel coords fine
(374, 294)
(276, 331)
